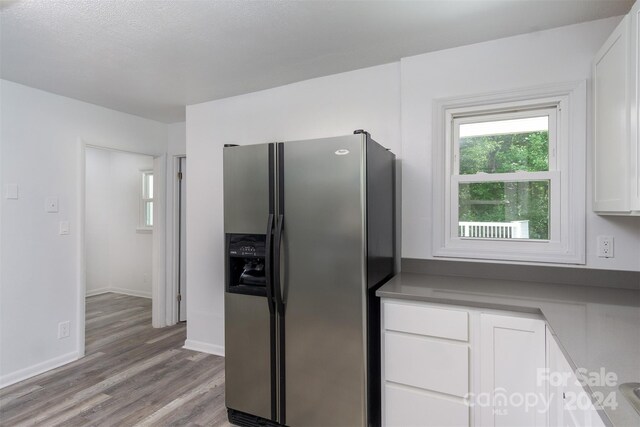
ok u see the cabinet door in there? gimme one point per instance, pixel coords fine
(634, 63)
(612, 94)
(569, 404)
(512, 360)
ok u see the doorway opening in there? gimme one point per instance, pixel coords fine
(118, 242)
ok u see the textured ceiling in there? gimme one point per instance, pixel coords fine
(151, 58)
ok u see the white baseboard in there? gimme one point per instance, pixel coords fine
(133, 293)
(37, 369)
(98, 291)
(204, 347)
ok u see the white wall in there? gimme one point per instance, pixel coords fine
(97, 219)
(177, 139)
(118, 255)
(39, 277)
(329, 106)
(553, 56)
(130, 251)
(376, 99)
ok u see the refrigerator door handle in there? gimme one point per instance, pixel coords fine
(267, 263)
(276, 265)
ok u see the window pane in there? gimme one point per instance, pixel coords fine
(147, 185)
(148, 214)
(504, 210)
(150, 186)
(505, 146)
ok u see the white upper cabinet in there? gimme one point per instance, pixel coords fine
(615, 91)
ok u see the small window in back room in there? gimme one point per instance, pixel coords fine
(146, 205)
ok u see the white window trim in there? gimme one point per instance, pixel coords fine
(142, 226)
(567, 170)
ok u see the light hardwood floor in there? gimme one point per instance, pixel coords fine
(132, 375)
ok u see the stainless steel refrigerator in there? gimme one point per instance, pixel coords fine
(310, 232)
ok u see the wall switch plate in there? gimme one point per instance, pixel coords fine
(63, 227)
(63, 329)
(51, 204)
(11, 191)
(605, 246)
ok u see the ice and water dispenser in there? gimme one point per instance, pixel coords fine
(246, 264)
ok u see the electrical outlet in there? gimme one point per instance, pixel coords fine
(63, 329)
(605, 246)
(51, 205)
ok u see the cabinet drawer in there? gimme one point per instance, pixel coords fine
(432, 365)
(423, 320)
(409, 408)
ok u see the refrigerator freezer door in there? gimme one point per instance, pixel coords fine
(246, 189)
(324, 282)
(247, 351)
(250, 355)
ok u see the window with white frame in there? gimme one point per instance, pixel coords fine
(146, 202)
(511, 179)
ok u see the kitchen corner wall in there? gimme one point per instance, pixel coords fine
(554, 56)
(39, 268)
(328, 106)
(387, 100)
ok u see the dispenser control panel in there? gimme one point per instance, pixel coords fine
(246, 245)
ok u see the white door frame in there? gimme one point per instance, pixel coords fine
(173, 239)
(159, 258)
(159, 282)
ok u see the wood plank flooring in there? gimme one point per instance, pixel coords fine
(132, 375)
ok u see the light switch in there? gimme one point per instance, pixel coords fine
(11, 191)
(51, 204)
(64, 227)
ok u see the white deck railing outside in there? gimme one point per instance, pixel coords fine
(494, 230)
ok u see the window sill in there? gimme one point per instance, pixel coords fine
(542, 251)
(144, 230)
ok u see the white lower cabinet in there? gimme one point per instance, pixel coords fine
(428, 364)
(412, 407)
(512, 364)
(458, 366)
(425, 365)
(569, 404)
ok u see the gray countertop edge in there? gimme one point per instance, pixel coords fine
(461, 302)
(565, 275)
(529, 309)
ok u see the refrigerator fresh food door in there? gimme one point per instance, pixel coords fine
(324, 281)
(249, 320)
